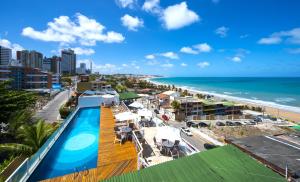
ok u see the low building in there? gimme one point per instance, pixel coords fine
(26, 77)
(195, 109)
(281, 153)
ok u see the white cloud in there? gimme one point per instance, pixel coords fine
(167, 65)
(188, 50)
(152, 6)
(152, 62)
(170, 55)
(14, 47)
(203, 64)
(222, 31)
(236, 59)
(244, 36)
(125, 3)
(83, 51)
(270, 40)
(290, 36)
(183, 64)
(204, 47)
(132, 23)
(178, 16)
(150, 56)
(81, 30)
(125, 65)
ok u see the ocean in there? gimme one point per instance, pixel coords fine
(278, 92)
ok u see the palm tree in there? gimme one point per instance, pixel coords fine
(176, 106)
(32, 138)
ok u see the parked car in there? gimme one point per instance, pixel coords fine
(186, 131)
(229, 123)
(237, 123)
(189, 123)
(220, 123)
(156, 111)
(202, 124)
(258, 119)
(209, 146)
(165, 117)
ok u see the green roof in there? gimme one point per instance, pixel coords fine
(128, 95)
(297, 127)
(220, 164)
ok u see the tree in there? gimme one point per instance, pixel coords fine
(175, 105)
(13, 101)
(32, 137)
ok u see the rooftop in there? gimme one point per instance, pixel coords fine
(221, 164)
(275, 151)
(128, 95)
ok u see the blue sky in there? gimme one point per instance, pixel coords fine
(170, 38)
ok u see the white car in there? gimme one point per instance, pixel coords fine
(186, 131)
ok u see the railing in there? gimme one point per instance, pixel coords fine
(139, 148)
(23, 172)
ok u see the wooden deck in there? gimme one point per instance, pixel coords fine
(113, 159)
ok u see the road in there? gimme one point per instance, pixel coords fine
(195, 140)
(50, 112)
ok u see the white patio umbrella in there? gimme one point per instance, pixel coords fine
(167, 132)
(145, 113)
(136, 105)
(126, 116)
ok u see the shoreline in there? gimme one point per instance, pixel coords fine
(271, 108)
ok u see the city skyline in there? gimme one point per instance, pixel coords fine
(174, 38)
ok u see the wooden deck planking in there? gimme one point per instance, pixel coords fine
(83, 176)
(113, 159)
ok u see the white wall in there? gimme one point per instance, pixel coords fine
(96, 100)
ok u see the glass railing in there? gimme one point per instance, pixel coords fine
(23, 172)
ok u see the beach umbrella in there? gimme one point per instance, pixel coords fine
(126, 116)
(167, 132)
(136, 105)
(145, 113)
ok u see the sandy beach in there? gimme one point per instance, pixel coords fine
(281, 111)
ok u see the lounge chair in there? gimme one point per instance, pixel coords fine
(174, 153)
(118, 138)
(131, 125)
(116, 129)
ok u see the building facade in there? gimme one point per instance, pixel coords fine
(68, 62)
(30, 59)
(26, 77)
(5, 55)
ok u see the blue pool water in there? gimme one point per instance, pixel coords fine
(75, 150)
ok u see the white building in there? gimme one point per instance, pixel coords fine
(173, 94)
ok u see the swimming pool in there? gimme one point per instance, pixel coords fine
(75, 150)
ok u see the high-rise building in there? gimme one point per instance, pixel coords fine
(31, 59)
(56, 65)
(47, 64)
(81, 69)
(5, 55)
(68, 61)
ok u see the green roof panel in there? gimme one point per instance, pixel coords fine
(221, 164)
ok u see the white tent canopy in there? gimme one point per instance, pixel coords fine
(167, 132)
(145, 113)
(136, 105)
(126, 116)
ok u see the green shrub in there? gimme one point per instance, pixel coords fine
(64, 111)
